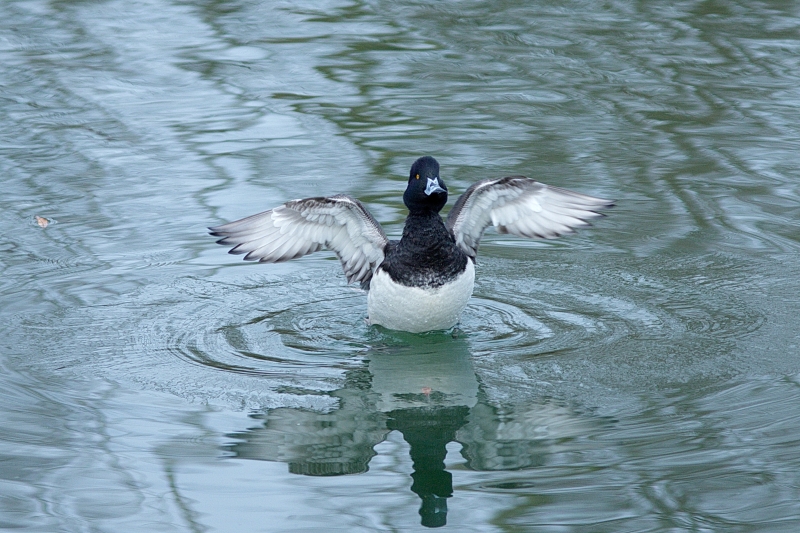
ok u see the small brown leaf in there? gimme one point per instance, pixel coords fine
(43, 222)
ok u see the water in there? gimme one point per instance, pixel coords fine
(642, 375)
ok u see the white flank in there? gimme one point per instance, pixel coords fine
(398, 307)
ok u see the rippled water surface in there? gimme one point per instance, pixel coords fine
(643, 375)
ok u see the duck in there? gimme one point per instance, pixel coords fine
(423, 281)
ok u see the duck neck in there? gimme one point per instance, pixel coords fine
(424, 230)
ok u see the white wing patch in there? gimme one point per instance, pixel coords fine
(299, 227)
(520, 206)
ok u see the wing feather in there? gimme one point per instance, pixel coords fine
(520, 206)
(340, 223)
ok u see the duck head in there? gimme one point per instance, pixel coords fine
(426, 191)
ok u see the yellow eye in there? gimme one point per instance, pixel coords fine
(417, 176)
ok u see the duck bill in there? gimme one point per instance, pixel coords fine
(433, 186)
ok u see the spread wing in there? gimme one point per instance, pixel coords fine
(520, 206)
(299, 227)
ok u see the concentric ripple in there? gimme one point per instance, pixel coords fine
(543, 327)
(261, 342)
(529, 316)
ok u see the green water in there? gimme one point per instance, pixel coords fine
(642, 375)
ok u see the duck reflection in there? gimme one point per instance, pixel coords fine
(425, 388)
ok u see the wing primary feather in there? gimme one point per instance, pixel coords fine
(520, 206)
(300, 227)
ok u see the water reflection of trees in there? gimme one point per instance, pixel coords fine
(428, 391)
